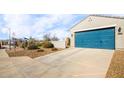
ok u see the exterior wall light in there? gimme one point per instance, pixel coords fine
(90, 19)
(71, 35)
(119, 31)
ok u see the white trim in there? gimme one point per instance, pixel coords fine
(116, 31)
(101, 27)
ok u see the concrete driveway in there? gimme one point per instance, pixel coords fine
(77, 62)
(72, 62)
(21, 67)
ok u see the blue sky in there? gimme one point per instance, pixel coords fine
(36, 25)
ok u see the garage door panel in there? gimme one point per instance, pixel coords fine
(100, 38)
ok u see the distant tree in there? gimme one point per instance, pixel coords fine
(31, 40)
(46, 37)
(54, 38)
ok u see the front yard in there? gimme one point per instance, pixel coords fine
(31, 53)
(116, 69)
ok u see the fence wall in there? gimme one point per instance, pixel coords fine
(59, 44)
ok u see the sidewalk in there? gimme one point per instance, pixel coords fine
(3, 53)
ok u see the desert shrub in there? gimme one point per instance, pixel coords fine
(39, 44)
(32, 46)
(54, 49)
(67, 42)
(40, 50)
(24, 45)
(47, 44)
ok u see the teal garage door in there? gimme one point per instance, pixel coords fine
(99, 38)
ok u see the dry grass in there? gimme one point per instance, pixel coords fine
(116, 69)
(30, 53)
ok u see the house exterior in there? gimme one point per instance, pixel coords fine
(97, 31)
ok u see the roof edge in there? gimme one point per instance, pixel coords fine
(79, 22)
(116, 17)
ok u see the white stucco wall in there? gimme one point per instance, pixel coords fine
(95, 22)
(59, 44)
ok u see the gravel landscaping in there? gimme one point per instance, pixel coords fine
(116, 69)
(31, 53)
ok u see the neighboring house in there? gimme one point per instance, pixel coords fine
(97, 31)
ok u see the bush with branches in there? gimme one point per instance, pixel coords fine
(33, 46)
(47, 44)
